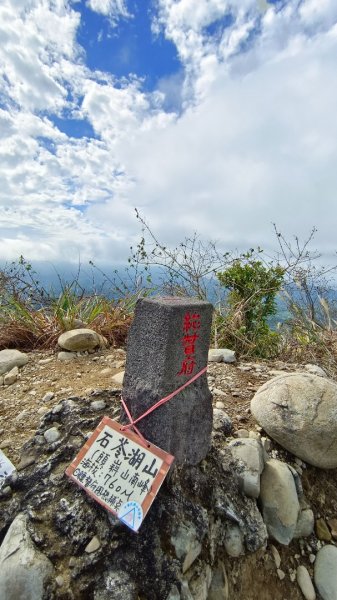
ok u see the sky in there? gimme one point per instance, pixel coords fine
(210, 116)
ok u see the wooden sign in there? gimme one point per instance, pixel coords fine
(120, 471)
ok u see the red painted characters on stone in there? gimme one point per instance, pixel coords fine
(191, 325)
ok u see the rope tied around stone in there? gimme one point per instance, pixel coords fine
(133, 422)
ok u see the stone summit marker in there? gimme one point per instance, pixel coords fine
(167, 346)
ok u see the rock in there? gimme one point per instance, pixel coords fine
(52, 435)
(276, 556)
(24, 570)
(79, 340)
(117, 585)
(26, 461)
(299, 411)
(221, 421)
(93, 545)
(64, 356)
(59, 580)
(280, 574)
(333, 527)
(45, 361)
(186, 544)
(221, 355)
(305, 583)
(118, 378)
(242, 433)
(219, 404)
(315, 370)
(48, 397)
(97, 405)
(167, 345)
(322, 530)
(219, 589)
(215, 356)
(305, 523)
(106, 371)
(11, 376)
(10, 359)
(249, 453)
(280, 505)
(325, 572)
(234, 541)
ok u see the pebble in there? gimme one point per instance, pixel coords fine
(64, 356)
(219, 405)
(52, 435)
(322, 530)
(106, 371)
(333, 527)
(276, 556)
(305, 583)
(242, 433)
(281, 574)
(48, 396)
(11, 377)
(118, 378)
(42, 410)
(45, 361)
(97, 404)
(59, 580)
(5, 443)
(93, 545)
(25, 461)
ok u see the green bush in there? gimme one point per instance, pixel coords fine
(243, 324)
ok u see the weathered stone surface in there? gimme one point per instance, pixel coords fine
(315, 370)
(219, 589)
(280, 505)
(79, 340)
(221, 355)
(24, 570)
(234, 541)
(167, 346)
(117, 585)
(10, 359)
(118, 378)
(322, 530)
(222, 422)
(325, 572)
(305, 523)
(305, 583)
(299, 411)
(52, 435)
(186, 544)
(250, 455)
(64, 356)
(11, 376)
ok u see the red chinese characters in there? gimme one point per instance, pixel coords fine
(191, 325)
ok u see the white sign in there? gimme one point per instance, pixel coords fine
(121, 471)
(6, 468)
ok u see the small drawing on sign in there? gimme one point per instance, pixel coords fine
(131, 514)
(119, 470)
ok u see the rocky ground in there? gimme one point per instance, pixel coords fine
(45, 381)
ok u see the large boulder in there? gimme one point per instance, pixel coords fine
(24, 570)
(279, 501)
(80, 340)
(299, 411)
(10, 359)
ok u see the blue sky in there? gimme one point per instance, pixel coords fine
(215, 116)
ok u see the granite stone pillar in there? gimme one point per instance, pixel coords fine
(167, 345)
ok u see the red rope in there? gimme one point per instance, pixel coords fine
(159, 403)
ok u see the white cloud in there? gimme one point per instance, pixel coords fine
(256, 142)
(114, 9)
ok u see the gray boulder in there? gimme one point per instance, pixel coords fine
(24, 570)
(221, 355)
(299, 411)
(279, 501)
(10, 359)
(249, 453)
(80, 340)
(325, 572)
